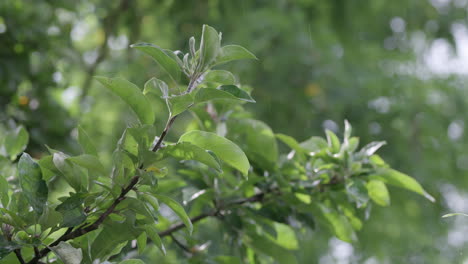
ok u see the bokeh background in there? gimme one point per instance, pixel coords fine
(397, 70)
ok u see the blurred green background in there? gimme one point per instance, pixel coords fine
(397, 70)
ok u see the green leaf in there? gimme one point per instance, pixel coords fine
(132, 95)
(179, 103)
(167, 63)
(233, 52)
(227, 260)
(141, 242)
(256, 139)
(157, 87)
(333, 141)
(73, 175)
(89, 162)
(230, 92)
(378, 192)
(132, 261)
(219, 77)
(290, 141)
(225, 149)
(401, 180)
(31, 183)
(72, 211)
(6, 247)
(4, 196)
(210, 45)
(286, 237)
(337, 223)
(189, 151)
(357, 192)
(16, 141)
(152, 233)
(268, 247)
(85, 142)
(178, 209)
(67, 253)
(151, 200)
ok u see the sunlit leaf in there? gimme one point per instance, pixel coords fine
(378, 192)
(225, 149)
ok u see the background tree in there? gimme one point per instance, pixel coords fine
(380, 65)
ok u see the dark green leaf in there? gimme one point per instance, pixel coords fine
(72, 211)
(132, 95)
(31, 182)
(72, 174)
(6, 247)
(225, 149)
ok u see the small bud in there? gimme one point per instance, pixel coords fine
(192, 46)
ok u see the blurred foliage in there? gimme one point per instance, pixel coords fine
(320, 62)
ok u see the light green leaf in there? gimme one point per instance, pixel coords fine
(167, 63)
(268, 247)
(337, 223)
(210, 45)
(157, 87)
(401, 180)
(256, 139)
(333, 141)
(178, 209)
(286, 237)
(76, 178)
(233, 52)
(16, 141)
(89, 162)
(67, 253)
(189, 151)
(225, 149)
(33, 186)
(132, 261)
(179, 103)
(141, 242)
(231, 92)
(4, 196)
(219, 77)
(378, 192)
(152, 233)
(291, 142)
(132, 95)
(85, 142)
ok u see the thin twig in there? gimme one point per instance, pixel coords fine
(180, 244)
(19, 256)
